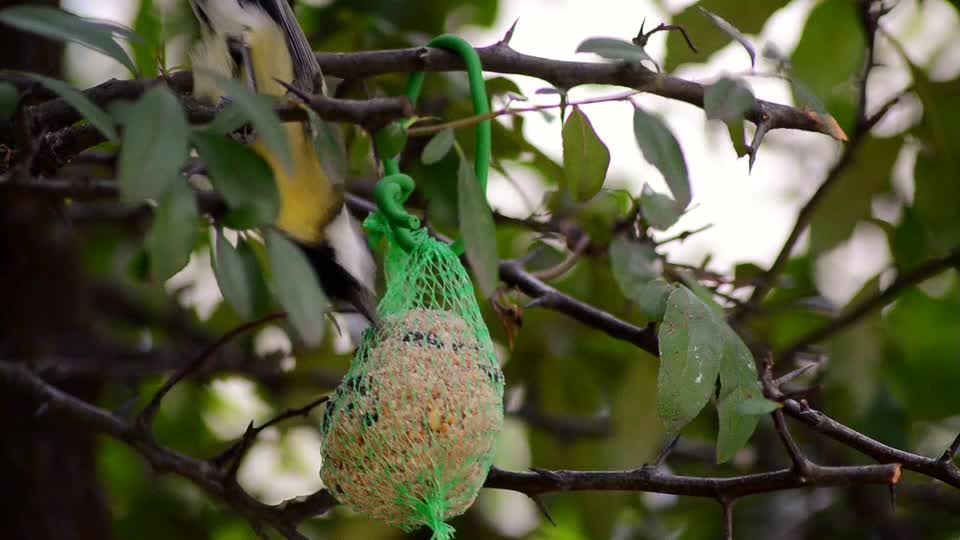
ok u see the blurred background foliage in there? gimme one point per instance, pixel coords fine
(894, 375)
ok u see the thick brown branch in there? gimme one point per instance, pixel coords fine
(652, 480)
(372, 113)
(500, 58)
(934, 468)
(512, 272)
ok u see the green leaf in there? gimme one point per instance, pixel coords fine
(477, 228)
(921, 367)
(438, 147)
(242, 177)
(330, 147)
(634, 265)
(805, 98)
(747, 272)
(737, 136)
(139, 266)
(259, 110)
(758, 407)
(154, 146)
(228, 120)
(585, 157)
(662, 150)
(296, 287)
(240, 278)
(727, 99)
(599, 215)
(147, 25)
(731, 31)
(8, 100)
(88, 109)
(829, 59)
(690, 349)
(862, 348)
(653, 300)
(65, 26)
(739, 389)
(851, 200)
(660, 211)
(704, 294)
(706, 36)
(614, 49)
(174, 231)
(390, 140)
(937, 168)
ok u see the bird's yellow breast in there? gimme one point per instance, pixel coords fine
(308, 199)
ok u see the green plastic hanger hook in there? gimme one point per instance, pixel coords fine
(390, 193)
(390, 204)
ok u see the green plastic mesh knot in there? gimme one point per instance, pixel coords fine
(409, 436)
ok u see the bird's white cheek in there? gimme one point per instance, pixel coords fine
(350, 246)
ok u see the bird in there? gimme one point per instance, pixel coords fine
(274, 53)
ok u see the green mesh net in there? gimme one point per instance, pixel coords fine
(409, 435)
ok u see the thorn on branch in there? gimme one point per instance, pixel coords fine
(951, 453)
(664, 453)
(727, 506)
(542, 506)
(787, 377)
(754, 146)
(643, 37)
(505, 41)
(41, 409)
(684, 235)
(537, 302)
(549, 475)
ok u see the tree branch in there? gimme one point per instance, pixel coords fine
(649, 479)
(145, 418)
(284, 518)
(500, 58)
(869, 19)
(934, 468)
(867, 306)
(512, 273)
(369, 113)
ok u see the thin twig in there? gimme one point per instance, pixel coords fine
(951, 453)
(474, 120)
(643, 37)
(235, 452)
(680, 237)
(768, 280)
(800, 463)
(548, 274)
(145, 418)
(877, 301)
